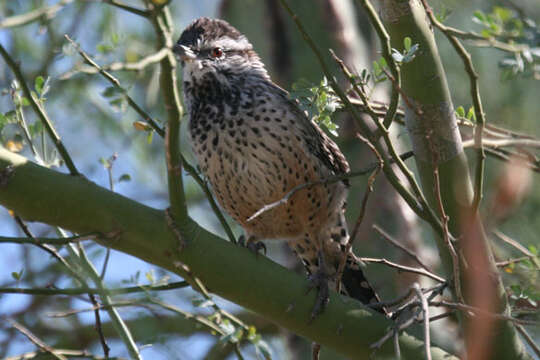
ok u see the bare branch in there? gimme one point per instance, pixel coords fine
(425, 314)
(85, 290)
(37, 341)
(155, 126)
(405, 268)
(47, 12)
(396, 243)
(120, 66)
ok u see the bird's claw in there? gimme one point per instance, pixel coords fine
(319, 280)
(252, 244)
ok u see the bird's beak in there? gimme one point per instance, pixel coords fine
(184, 53)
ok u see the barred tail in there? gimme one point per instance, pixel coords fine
(357, 286)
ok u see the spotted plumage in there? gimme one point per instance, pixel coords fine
(254, 145)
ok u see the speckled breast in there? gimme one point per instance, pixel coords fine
(253, 155)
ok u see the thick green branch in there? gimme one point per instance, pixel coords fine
(227, 270)
(173, 106)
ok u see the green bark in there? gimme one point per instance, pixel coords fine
(437, 144)
(39, 194)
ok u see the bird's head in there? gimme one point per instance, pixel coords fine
(214, 46)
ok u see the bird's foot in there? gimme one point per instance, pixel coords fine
(252, 244)
(319, 280)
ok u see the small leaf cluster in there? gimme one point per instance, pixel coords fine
(525, 292)
(15, 129)
(319, 102)
(234, 333)
(408, 53)
(469, 116)
(505, 25)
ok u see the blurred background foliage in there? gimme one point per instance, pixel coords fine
(98, 129)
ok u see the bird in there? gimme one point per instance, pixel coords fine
(254, 145)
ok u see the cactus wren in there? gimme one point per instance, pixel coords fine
(254, 145)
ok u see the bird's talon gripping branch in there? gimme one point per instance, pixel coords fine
(252, 244)
(319, 280)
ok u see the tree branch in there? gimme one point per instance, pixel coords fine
(82, 207)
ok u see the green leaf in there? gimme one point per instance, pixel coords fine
(479, 16)
(112, 91)
(516, 289)
(376, 68)
(149, 137)
(460, 111)
(35, 128)
(124, 177)
(25, 102)
(11, 116)
(407, 42)
(38, 84)
(115, 38)
(503, 13)
(533, 250)
(104, 48)
(17, 275)
(150, 276)
(471, 115)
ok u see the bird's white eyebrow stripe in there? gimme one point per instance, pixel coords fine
(231, 44)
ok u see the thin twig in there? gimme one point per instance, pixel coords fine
(397, 350)
(50, 249)
(74, 354)
(37, 341)
(396, 243)
(197, 285)
(47, 124)
(369, 190)
(516, 245)
(328, 180)
(81, 291)
(120, 66)
(118, 324)
(511, 261)
(130, 9)
(171, 99)
(405, 268)
(425, 314)
(496, 143)
(49, 241)
(528, 339)
(417, 202)
(99, 327)
(315, 351)
(114, 81)
(46, 12)
(475, 310)
(387, 55)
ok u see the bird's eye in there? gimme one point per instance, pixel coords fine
(216, 52)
